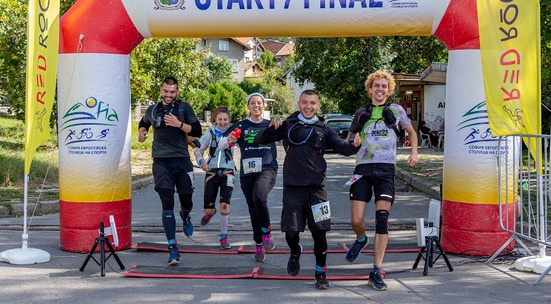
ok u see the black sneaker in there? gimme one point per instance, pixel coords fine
(354, 252)
(293, 266)
(376, 281)
(321, 280)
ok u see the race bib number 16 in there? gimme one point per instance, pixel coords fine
(252, 165)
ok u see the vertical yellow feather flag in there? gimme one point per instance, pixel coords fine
(511, 62)
(42, 57)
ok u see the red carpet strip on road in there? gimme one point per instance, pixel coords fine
(391, 248)
(187, 248)
(190, 272)
(215, 248)
(177, 272)
(333, 273)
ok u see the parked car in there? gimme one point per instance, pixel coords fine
(340, 124)
(332, 116)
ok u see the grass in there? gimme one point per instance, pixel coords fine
(44, 172)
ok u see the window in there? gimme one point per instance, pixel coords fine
(234, 63)
(224, 45)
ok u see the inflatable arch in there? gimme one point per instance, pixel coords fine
(97, 38)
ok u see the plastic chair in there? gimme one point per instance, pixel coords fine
(441, 140)
(425, 140)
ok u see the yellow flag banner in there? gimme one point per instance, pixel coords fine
(510, 49)
(42, 53)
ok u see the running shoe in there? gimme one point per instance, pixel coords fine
(174, 255)
(224, 243)
(321, 280)
(206, 218)
(268, 241)
(260, 254)
(293, 265)
(376, 281)
(354, 252)
(188, 226)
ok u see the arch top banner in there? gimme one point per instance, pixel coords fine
(299, 18)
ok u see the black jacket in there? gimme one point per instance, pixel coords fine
(305, 145)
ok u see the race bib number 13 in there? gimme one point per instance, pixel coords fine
(321, 211)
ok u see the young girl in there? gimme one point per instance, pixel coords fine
(219, 168)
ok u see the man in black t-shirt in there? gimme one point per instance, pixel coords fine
(173, 121)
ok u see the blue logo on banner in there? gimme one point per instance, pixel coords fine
(375, 3)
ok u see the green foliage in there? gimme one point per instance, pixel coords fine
(284, 99)
(13, 17)
(267, 60)
(289, 63)
(155, 59)
(228, 93)
(218, 68)
(338, 66)
(12, 157)
(251, 85)
(413, 54)
(545, 25)
(13, 43)
(328, 106)
(200, 100)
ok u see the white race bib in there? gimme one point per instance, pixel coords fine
(192, 177)
(354, 179)
(252, 165)
(321, 211)
(230, 180)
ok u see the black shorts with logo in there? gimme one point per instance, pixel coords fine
(376, 178)
(297, 208)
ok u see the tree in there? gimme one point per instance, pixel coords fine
(13, 39)
(339, 66)
(284, 100)
(413, 54)
(228, 93)
(218, 68)
(267, 60)
(545, 25)
(13, 43)
(155, 59)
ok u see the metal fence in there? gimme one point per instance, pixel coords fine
(524, 187)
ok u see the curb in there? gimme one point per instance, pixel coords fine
(53, 206)
(419, 184)
(48, 207)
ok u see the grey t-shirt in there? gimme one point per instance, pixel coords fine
(378, 140)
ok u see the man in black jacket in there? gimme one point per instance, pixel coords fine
(305, 139)
(173, 121)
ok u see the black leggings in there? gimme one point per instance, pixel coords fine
(320, 244)
(167, 200)
(256, 188)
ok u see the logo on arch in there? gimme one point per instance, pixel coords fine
(375, 3)
(169, 5)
